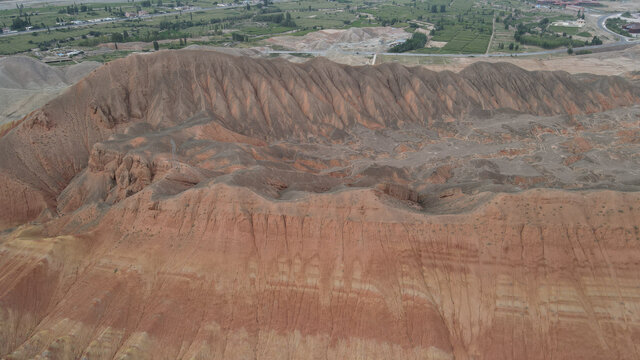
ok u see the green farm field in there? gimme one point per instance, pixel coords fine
(464, 25)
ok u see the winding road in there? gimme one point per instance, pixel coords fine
(602, 25)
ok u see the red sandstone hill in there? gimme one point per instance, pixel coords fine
(194, 205)
(267, 100)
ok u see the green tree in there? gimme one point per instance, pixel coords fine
(156, 46)
(417, 41)
(19, 24)
(287, 20)
(442, 8)
(117, 37)
(239, 37)
(543, 23)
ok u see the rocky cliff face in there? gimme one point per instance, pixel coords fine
(195, 205)
(220, 273)
(270, 100)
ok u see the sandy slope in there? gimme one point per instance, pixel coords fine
(26, 84)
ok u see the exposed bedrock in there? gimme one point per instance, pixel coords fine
(244, 99)
(221, 273)
(194, 205)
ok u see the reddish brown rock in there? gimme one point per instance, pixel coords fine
(340, 276)
(441, 174)
(578, 145)
(192, 205)
(256, 100)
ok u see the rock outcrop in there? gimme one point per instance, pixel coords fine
(218, 272)
(194, 205)
(272, 100)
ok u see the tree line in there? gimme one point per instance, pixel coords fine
(417, 41)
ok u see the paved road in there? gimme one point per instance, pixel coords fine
(546, 52)
(11, 4)
(146, 17)
(602, 25)
(601, 21)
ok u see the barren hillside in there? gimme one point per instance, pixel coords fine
(190, 204)
(27, 84)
